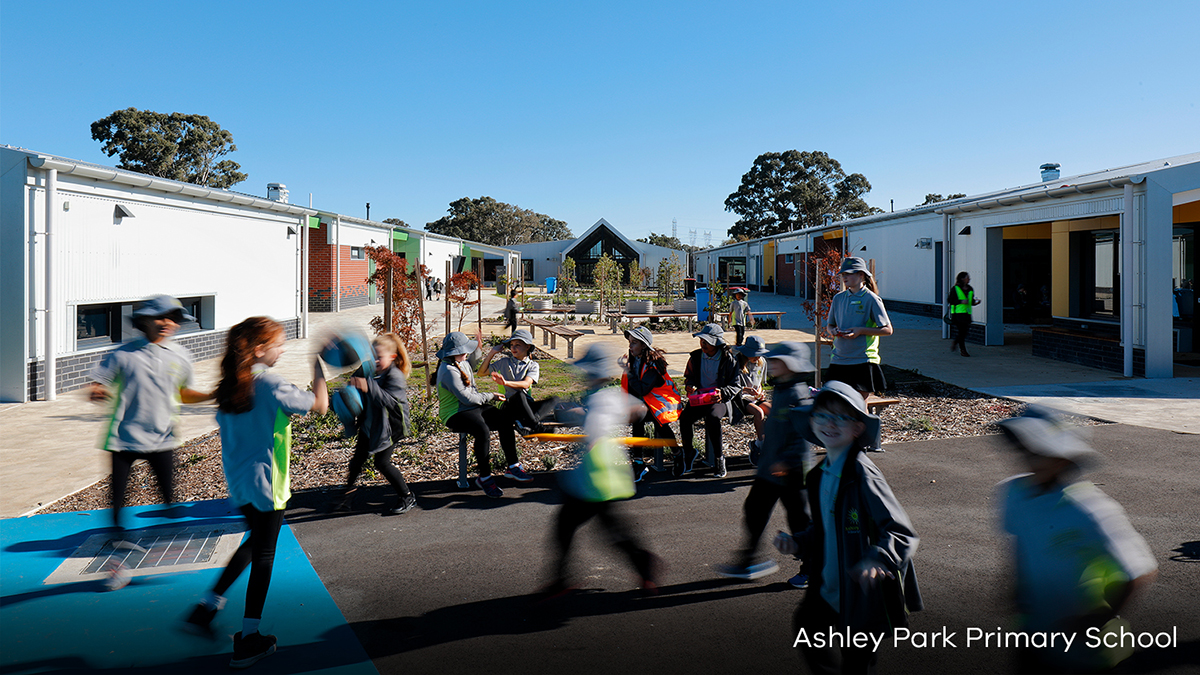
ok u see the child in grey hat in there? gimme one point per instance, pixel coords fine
(709, 368)
(517, 372)
(856, 321)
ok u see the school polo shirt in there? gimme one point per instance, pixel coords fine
(145, 379)
(255, 445)
(849, 310)
(514, 371)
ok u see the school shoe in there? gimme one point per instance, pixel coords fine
(489, 487)
(251, 649)
(748, 572)
(719, 471)
(406, 504)
(964, 353)
(118, 577)
(518, 474)
(799, 581)
(200, 620)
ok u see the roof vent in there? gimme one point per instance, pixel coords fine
(1049, 172)
(278, 192)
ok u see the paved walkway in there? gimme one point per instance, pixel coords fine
(47, 449)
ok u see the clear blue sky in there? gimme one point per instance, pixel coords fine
(637, 112)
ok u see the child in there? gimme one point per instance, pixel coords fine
(856, 321)
(780, 473)
(739, 314)
(752, 400)
(465, 409)
(146, 379)
(517, 374)
(384, 420)
(859, 546)
(1078, 559)
(253, 409)
(709, 367)
(510, 311)
(647, 380)
(602, 477)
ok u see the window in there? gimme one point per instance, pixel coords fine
(595, 251)
(1100, 275)
(527, 270)
(358, 253)
(101, 325)
(789, 258)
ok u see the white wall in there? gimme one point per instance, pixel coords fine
(903, 271)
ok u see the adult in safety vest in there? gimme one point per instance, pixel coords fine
(961, 300)
(646, 379)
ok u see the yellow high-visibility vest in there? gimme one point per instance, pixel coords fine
(963, 306)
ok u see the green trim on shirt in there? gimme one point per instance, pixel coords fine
(281, 488)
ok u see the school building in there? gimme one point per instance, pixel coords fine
(544, 259)
(1105, 258)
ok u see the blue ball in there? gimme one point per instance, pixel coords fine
(346, 351)
(347, 405)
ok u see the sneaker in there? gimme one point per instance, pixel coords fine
(251, 649)
(799, 581)
(720, 472)
(518, 474)
(748, 572)
(118, 577)
(406, 504)
(200, 620)
(684, 460)
(489, 487)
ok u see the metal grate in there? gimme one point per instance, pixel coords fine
(185, 548)
(151, 551)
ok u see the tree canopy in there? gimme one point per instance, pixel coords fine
(491, 222)
(669, 242)
(933, 197)
(791, 190)
(395, 221)
(176, 146)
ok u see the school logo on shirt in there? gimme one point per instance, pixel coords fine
(852, 525)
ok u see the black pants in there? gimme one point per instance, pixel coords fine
(741, 334)
(163, 465)
(258, 551)
(960, 325)
(660, 431)
(575, 512)
(712, 427)
(383, 464)
(521, 408)
(479, 423)
(761, 501)
(814, 615)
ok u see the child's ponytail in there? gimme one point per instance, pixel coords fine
(235, 391)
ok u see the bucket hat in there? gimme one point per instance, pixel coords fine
(793, 354)
(641, 334)
(712, 333)
(162, 305)
(854, 265)
(1043, 431)
(598, 364)
(850, 396)
(456, 343)
(522, 335)
(755, 346)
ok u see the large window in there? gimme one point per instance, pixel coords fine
(1105, 287)
(101, 325)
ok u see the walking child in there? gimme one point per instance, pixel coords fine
(465, 409)
(510, 312)
(384, 420)
(859, 547)
(145, 380)
(253, 412)
(780, 472)
(739, 314)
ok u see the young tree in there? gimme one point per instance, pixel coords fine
(566, 282)
(670, 278)
(177, 146)
(829, 281)
(635, 274)
(607, 277)
(458, 289)
(792, 190)
(406, 295)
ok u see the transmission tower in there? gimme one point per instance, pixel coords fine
(707, 238)
(692, 238)
(674, 228)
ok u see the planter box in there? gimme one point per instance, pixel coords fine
(585, 307)
(685, 306)
(639, 306)
(543, 305)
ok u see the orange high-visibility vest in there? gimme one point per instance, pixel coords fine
(663, 401)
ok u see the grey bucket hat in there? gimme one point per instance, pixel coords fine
(162, 305)
(641, 334)
(793, 354)
(598, 363)
(854, 265)
(854, 399)
(522, 335)
(712, 333)
(756, 346)
(456, 343)
(1043, 431)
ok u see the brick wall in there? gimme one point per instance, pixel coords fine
(71, 371)
(323, 259)
(1085, 349)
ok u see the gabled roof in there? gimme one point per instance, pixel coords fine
(593, 228)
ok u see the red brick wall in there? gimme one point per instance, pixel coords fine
(322, 261)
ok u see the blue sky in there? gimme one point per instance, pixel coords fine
(636, 112)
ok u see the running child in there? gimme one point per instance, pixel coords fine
(145, 380)
(384, 420)
(465, 409)
(253, 412)
(780, 471)
(859, 547)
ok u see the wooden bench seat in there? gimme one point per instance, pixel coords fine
(545, 325)
(567, 334)
(876, 404)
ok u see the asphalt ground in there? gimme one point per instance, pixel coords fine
(452, 587)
